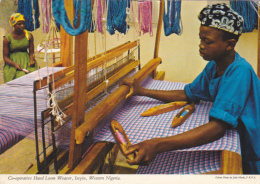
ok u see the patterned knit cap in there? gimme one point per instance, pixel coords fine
(220, 16)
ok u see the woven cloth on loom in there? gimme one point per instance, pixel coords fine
(187, 162)
(17, 108)
(142, 128)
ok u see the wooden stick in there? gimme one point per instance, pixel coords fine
(66, 50)
(100, 111)
(159, 28)
(158, 34)
(80, 84)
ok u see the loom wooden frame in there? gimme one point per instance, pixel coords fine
(81, 126)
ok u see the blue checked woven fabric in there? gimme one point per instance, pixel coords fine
(186, 162)
(140, 128)
(201, 159)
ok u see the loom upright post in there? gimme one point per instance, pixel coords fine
(35, 126)
(66, 40)
(158, 32)
(79, 102)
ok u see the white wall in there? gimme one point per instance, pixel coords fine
(180, 54)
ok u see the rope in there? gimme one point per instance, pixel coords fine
(116, 16)
(172, 19)
(25, 8)
(61, 16)
(247, 10)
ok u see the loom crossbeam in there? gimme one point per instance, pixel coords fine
(62, 73)
(99, 112)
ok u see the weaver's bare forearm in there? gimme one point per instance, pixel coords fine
(164, 95)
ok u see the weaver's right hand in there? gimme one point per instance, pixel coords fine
(135, 87)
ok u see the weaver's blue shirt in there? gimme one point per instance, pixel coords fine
(236, 101)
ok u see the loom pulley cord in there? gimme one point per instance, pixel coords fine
(61, 16)
(172, 19)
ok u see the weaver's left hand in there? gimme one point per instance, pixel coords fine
(145, 152)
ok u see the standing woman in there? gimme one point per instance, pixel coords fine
(18, 50)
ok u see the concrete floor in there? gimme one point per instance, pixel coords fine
(19, 158)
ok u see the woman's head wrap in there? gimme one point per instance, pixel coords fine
(220, 16)
(15, 18)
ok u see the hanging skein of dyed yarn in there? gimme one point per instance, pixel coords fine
(172, 19)
(61, 16)
(46, 15)
(99, 17)
(25, 8)
(76, 5)
(116, 16)
(247, 10)
(145, 13)
(135, 19)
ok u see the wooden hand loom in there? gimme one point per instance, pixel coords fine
(84, 124)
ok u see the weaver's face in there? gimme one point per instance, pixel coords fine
(20, 25)
(212, 46)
